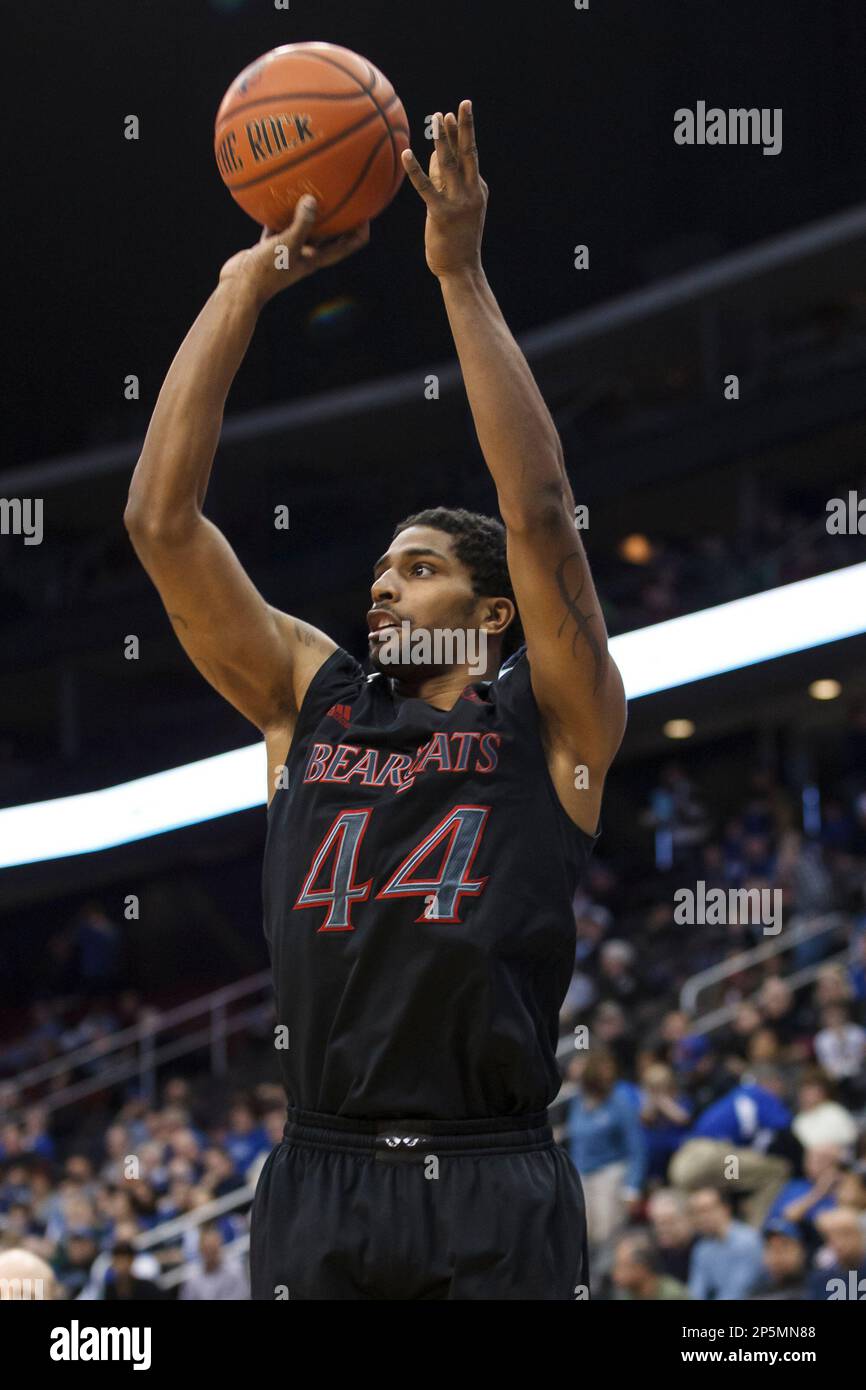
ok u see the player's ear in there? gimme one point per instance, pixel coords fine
(498, 614)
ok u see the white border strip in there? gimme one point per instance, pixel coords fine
(759, 628)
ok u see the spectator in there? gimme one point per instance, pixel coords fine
(677, 815)
(611, 1030)
(617, 978)
(145, 1265)
(121, 1285)
(820, 1119)
(98, 944)
(802, 1199)
(778, 1008)
(841, 1050)
(75, 1256)
(606, 1144)
(636, 1273)
(665, 1115)
(832, 986)
(674, 1235)
(729, 1142)
(840, 1270)
(245, 1139)
(274, 1123)
(783, 1273)
(763, 1046)
(217, 1279)
(851, 1188)
(24, 1277)
(727, 1258)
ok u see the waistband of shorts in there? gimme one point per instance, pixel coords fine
(406, 1138)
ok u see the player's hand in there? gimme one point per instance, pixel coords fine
(454, 193)
(281, 259)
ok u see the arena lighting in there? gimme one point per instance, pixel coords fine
(130, 811)
(825, 690)
(678, 728)
(663, 657)
(745, 632)
(636, 549)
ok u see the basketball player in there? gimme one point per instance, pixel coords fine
(427, 824)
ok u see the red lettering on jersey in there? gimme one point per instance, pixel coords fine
(319, 756)
(339, 762)
(462, 761)
(394, 767)
(363, 767)
(488, 746)
(437, 749)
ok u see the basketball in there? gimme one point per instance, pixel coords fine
(311, 118)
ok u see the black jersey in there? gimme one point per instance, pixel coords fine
(418, 880)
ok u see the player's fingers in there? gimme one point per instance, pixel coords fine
(418, 179)
(445, 153)
(467, 149)
(451, 132)
(301, 225)
(343, 246)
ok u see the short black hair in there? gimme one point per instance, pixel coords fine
(479, 544)
(643, 1249)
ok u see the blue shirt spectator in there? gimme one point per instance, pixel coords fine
(606, 1133)
(726, 1266)
(749, 1116)
(666, 1115)
(792, 1192)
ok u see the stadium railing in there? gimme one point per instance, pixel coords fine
(797, 932)
(142, 1041)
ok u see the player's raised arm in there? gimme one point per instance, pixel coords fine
(576, 683)
(258, 658)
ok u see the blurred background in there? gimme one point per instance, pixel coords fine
(150, 1036)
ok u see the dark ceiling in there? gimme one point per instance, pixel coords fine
(115, 244)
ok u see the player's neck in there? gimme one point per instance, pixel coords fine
(442, 690)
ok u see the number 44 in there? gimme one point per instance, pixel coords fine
(458, 836)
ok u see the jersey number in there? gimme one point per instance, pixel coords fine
(453, 843)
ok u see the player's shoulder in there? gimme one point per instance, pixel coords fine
(516, 662)
(512, 680)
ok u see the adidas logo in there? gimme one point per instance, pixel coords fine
(342, 714)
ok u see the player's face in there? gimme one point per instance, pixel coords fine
(419, 586)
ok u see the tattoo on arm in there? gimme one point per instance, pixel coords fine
(581, 620)
(308, 638)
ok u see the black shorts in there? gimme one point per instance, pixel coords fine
(349, 1209)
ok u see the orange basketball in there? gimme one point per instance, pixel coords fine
(311, 118)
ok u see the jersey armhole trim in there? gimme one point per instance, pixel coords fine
(588, 840)
(303, 713)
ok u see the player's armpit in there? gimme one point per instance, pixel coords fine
(256, 657)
